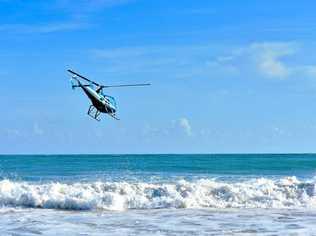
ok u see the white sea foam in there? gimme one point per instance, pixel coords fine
(204, 193)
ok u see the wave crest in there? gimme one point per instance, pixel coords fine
(204, 193)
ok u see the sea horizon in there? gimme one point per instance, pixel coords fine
(139, 154)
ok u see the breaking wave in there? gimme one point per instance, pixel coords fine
(204, 193)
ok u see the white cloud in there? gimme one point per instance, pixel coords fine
(198, 11)
(185, 125)
(268, 58)
(82, 8)
(13, 133)
(273, 60)
(37, 130)
(118, 53)
(175, 128)
(185, 61)
(41, 28)
(95, 4)
(309, 70)
(273, 68)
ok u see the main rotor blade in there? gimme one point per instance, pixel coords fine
(82, 77)
(105, 86)
(123, 85)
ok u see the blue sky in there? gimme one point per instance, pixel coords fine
(228, 76)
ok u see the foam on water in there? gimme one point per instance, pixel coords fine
(204, 193)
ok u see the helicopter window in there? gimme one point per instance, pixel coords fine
(111, 100)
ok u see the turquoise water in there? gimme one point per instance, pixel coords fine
(158, 194)
(56, 167)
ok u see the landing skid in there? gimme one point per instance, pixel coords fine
(94, 113)
(113, 116)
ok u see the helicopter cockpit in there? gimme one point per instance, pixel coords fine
(111, 100)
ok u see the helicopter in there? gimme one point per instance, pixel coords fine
(101, 103)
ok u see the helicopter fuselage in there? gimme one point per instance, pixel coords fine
(99, 101)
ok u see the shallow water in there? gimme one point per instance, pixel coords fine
(158, 222)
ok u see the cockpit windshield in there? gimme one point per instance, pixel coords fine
(112, 100)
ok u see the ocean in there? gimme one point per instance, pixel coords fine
(238, 194)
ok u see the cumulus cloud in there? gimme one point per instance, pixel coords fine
(185, 125)
(175, 128)
(273, 60)
(268, 58)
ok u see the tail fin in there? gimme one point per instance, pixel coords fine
(74, 82)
